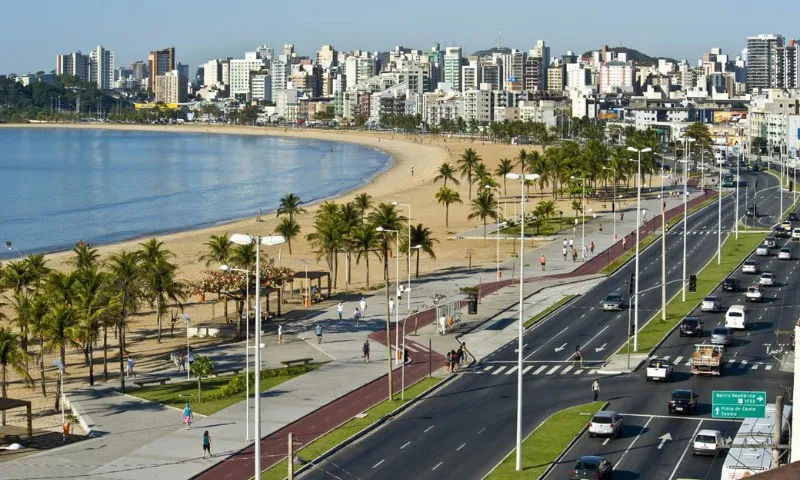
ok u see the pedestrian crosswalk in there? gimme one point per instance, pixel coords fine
(730, 363)
(543, 370)
(694, 232)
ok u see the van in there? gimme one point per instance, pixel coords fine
(735, 317)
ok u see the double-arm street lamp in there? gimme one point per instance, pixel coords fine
(497, 233)
(583, 215)
(408, 285)
(613, 202)
(226, 268)
(388, 312)
(639, 152)
(685, 161)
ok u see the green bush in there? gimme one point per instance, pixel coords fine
(237, 384)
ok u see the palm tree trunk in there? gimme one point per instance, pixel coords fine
(158, 316)
(91, 363)
(3, 383)
(416, 274)
(447, 215)
(469, 180)
(121, 337)
(484, 229)
(41, 365)
(105, 351)
(239, 322)
(367, 260)
(225, 308)
(289, 241)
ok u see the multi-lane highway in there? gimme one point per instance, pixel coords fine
(469, 426)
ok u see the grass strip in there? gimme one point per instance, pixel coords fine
(546, 442)
(547, 311)
(177, 394)
(733, 253)
(552, 226)
(339, 434)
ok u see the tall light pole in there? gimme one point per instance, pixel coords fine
(188, 321)
(583, 215)
(408, 314)
(613, 202)
(397, 307)
(497, 235)
(517, 176)
(638, 228)
(245, 239)
(736, 208)
(11, 246)
(685, 161)
(408, 285)
(663, 250)
(226, 268)
(719, 207)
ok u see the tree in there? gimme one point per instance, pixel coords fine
(328, 237)
(11, 356)
(482, 177)
(201, 368)
(161, 285)
(363, 241)
(290, 205)
(84, 256)
(759, 145)
(446, 172)
(289, 229)
(60, 332)
(36, 309)
(484, 206)
(218, 249)
(151, 250)
(701, 135)
(505, 167)
(363, 202)
(422, 237)
(243, 256)
(467, 163)
(577, 207)
(126, 287)
(91, 299)
(36, 268)
(447, 196)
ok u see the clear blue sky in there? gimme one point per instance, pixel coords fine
(35, 32)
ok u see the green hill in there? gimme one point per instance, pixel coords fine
(483, 53)
(634, 56)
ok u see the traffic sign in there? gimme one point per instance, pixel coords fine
(738, 404)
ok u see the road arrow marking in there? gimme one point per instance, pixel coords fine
(665, 438)
(562, 347)
(600, 349)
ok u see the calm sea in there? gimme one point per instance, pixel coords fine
(58, 186)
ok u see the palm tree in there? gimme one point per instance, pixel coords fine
(60, 286)
(13, 356)
(218, 249)
(126, 281)
(484, 206)
(36, 266)
(446, 172)
(482, 177)
(328, 237)
(289, 229)
(422, 237)
(36, 308)
(16, 276)
(547, 208)
(364, 239)
(363, 202)
(91, 299)
(84, 255)
(60, 331)
(467, 163)
(161, 285)
(536, 163)
(577, 207)
(447, 196)
(522, 160)
(243, 256)
(151, 250)
(505, 167)
(290, 205)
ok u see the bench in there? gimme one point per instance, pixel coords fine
(233, 371)
(142, 383)
(304, 361)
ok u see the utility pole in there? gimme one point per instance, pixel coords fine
(777, 432)
(290, 458)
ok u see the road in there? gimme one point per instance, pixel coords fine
(469, 426)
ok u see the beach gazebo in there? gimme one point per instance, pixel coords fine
(308, 278)
(11, 403)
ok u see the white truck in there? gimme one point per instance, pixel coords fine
(659, 369)
(754, 294)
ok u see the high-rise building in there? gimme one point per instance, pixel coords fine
(265, 52)
(615, 77)
(171, 87)
(535, 73)
(514, 70)
(261, 87)
(326, 56)
(160, 62)
(762, 53)
(101, 68)
(288, 50)
(788, 73)
(183, 70)
(139, 70)
(542, 52)
(74, 64)
(452, 67)
(241, 71)
(470, 76)
(212, 72)
(280, 75)
(556, 78)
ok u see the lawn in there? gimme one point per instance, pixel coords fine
(339, 434)
(550, 227)
(546, 443)
(547, 311)
(733, 253)
(176, 394)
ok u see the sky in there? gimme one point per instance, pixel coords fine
(34, 33)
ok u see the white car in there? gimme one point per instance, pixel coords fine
(751, 266)
(785, 253)
(606, 423)
(711, 304)
(767, 279)
(754, 294)
(659, 369)
(762, 250)
(796, 234)
(708, 442)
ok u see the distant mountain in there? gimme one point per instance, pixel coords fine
(634, 56)
(483, 53)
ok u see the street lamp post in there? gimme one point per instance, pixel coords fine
(719, 207)
(517, 176)
(638, 228)
(663, 250)
(408, 285)
(497, 235)
(245, 239)
(11, 246)
(226, 268)
(188, 321)
(583, 215)
(613, 202)
(685, 161)
(397, 307)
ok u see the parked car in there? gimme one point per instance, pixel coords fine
(613, 302)
(762, 250)
(731, 285)
(754, 294)
(708, 442)
(691, 326)
(722, 336)
(711, 304)
(682, 401)
(606, 423)
(592, 467)
(785, 253)
(751, 266)
(767, 279)
(659, 369)
(771, 242)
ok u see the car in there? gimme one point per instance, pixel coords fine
(785, 253)
(735, 317)
(691, 326)
(762, 250)
(722, 336)
(613, 301)
(708, 442)
(754, 294)
(752, 211)
(592, 467)
(786, 225)
(792, 217)
(771, 242)
(796, 234)
(711, 304)
(606, 423)
(659, 369)
(682, 401)
(751, 266)
(767, 279)
(779, 232)
(731, 285)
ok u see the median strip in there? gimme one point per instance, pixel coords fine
(547, 311)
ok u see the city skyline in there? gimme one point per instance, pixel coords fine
(684, 32)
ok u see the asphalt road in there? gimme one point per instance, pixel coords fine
(464, 430)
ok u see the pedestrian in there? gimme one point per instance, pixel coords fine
(187, 415)
(406, 359)
(412, 170)
(280, 333)
(543, 262)
(399, 292)
(458, 357)
(206, 445)
(601, 228)
(574, 255)
(363, 305)
(596, 388)
(448, 361)
(463, 351)
(591, 247)
(565, 243)
(624, 242)
(131, 364)
(318, 330)
(357, 315)
(190, 358)
(564, 253)
(578, 355)
(571, 243)
(340, 310)
(453, 361)
(181, 362)
(391, 306)
(621, 216)
(365, 351)
(585, 251)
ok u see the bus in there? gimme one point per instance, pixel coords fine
(751, 451)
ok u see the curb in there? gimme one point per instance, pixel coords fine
(84, 420)
(363, 433)
(568, 448)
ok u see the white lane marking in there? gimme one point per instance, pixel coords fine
(556, 336)
(488, 368)
(578, 372)
(678, 359)
(644, 429)
(571, 355)
(525, 370)
(511, 370)
(437, 466)
(679, 417)
(481, 430)
(405, 445)
(592, 372)
(428, 429)
(566, 370)
(605, 442)
(768, 367)
(500, 369)
(688, 444)
(666, 357)
(744, 363)
(553, 370)
(538, 370)
(462, 446)
(377, 464)
(754, 367)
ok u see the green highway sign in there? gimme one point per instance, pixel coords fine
(738, 404)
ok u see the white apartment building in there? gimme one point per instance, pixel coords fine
(101, 68)
(326, 56)
(358, 68)
(171, 88)
(514, 70)
(442, 105)
(613, 77)
(261, 87)
(470, 76)
(793, 135)
(212, 72)
(74, 64)
(452, 66)
(241, 71)
(280, 74)
(578, 78)
(478, 105)
(768, 115)
(287, 104)
(502, 101)
(540, 111)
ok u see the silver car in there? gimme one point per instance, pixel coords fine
(711, 304)
(606, 423)
(751, 266)
(767, 279)
(613, 301)
(722, 336)
(785, 253)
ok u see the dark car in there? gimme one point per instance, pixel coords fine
(691, 326)
(779, 232)
(752, 211)
(592, 467)
(682, 401)
(792, 217)
(731, 285)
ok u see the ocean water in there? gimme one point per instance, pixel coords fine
(58, 186)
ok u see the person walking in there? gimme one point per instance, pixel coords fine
(463, 351)
(363, 305)
(318, 330)
(206, 445)
(365, 351)
(131, 364)
(596, 388)
(340, 310)
(357, 315)
(391, 306)
(449, 361)
(543, 262)
(181, 362)
(188, 416)
(624, 242)
(564, 253)
(571, 243)
(601, 228)
(621, 216)
(565, 243)
(280, 333)
(574, 255)
(591, 248)
(578, 356)
(190, 358)
(399, 292)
